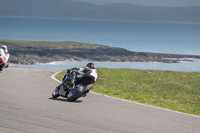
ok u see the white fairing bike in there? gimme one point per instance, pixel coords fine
(4, 59)
(80, 89)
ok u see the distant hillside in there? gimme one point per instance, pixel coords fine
(32, 52)
(80, 10)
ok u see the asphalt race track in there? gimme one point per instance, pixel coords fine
(26, 106)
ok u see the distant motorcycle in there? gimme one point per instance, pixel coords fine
(4, 60)
(65, 89)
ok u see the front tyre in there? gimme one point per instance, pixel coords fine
(55, 93)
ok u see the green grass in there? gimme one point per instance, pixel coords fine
(178, 91)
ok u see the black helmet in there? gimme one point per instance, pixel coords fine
(90, 65)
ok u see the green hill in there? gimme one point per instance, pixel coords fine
(69, 9)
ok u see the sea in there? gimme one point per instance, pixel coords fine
(173, 38)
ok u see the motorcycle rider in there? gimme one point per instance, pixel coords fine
(85, 75)
(6, 56)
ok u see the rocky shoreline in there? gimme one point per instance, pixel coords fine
(30, 52)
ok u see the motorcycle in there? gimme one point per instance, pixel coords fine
(4, 60)
(65, 90)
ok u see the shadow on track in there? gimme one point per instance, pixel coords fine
(65, 100)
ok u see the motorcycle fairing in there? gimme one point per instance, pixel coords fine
(1, 61)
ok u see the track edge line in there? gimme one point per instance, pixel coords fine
(53, 77)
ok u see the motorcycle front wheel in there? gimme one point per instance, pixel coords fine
(55, 93)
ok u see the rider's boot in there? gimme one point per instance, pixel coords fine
(85, 93)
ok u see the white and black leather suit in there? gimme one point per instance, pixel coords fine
(84, 75)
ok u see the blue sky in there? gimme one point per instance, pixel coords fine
(149, 2)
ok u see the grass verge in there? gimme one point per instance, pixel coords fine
(178, 91)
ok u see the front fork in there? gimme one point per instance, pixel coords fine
(61, 90)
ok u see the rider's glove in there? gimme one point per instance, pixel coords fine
(71, 84)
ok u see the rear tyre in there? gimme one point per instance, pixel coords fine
(76, 93)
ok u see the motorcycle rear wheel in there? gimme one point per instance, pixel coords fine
(76, 93)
